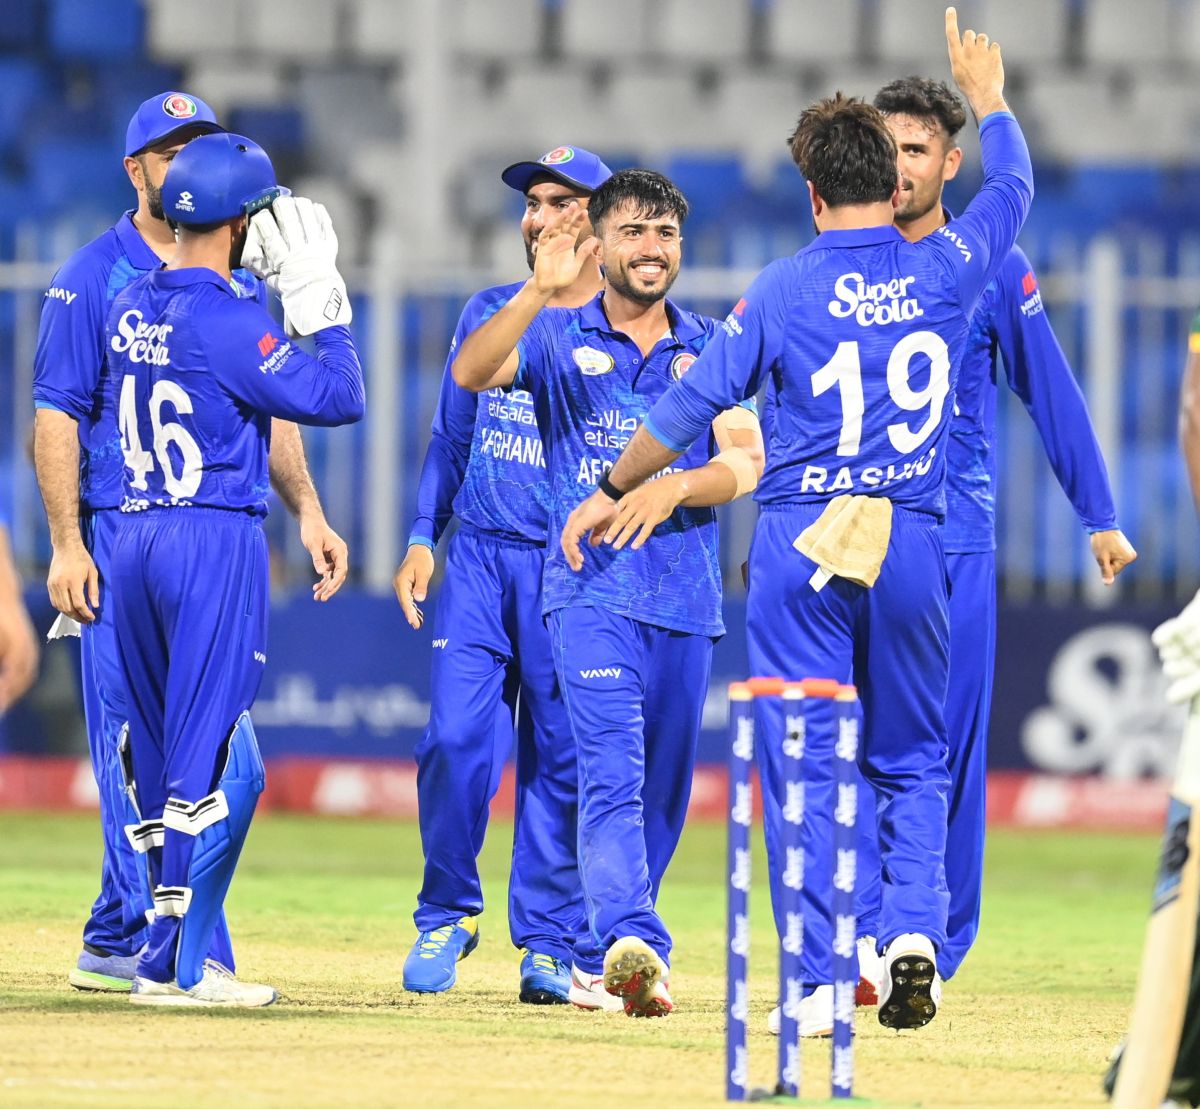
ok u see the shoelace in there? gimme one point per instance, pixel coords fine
(217, 970)
(548, 964)
(431, 943)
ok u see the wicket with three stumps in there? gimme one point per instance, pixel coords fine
(794, 695)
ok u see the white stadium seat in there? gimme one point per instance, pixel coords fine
(299, 29)
(701, 30)
(813, 31)
(612, 29)
(227, 84)
(186, 29)
(1118, 32)
(495, 29)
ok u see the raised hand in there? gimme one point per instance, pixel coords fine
(559, 256)
(977, 68)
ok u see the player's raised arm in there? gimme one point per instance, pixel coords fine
(977, 243)
(488, 356)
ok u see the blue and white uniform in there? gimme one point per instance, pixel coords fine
(71, 375)
(1010, 326)
(861, 335)
(633, 630)
(199, 373)
(485, 465)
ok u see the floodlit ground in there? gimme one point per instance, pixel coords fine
(321, 909)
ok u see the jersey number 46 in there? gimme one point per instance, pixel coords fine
(178, 483)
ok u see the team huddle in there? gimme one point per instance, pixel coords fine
(586, 428)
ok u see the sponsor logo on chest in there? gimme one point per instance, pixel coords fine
(592, 362)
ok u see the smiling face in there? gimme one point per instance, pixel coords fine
(545, 198)
(926, 158)
(640, 253)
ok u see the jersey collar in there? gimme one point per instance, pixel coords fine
(684, 327)
(136, 249)
(193, 275)
(859, 236)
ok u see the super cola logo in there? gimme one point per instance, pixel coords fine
(140, 341)
(883, 302)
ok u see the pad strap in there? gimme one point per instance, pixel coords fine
(172, 900)
(192, 818)
(143, 836)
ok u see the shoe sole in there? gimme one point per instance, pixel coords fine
(909, 1003)
(632, 978)
(179, 1001)
(93, 982)
(535, 995)
(865, 994)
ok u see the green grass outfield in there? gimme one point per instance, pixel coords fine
(321, 909)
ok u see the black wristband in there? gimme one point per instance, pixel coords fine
(608, 489)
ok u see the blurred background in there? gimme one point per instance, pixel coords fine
(399, 116)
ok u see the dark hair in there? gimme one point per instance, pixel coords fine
(924, 98)
(652, 195)
(843, 147)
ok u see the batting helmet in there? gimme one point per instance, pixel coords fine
(218, 177)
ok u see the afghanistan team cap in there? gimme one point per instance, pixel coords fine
(570, 164)
(161, 116)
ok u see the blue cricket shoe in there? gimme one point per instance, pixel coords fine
(432, 964)
(545, 980)
(101, 972)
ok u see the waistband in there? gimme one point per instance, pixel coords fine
(815, 508)
(181, 512)
(500, 538)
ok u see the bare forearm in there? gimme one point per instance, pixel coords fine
(1189, 423)
(56, 461)
(289, 471)
(706, 486)
(11, 600)
(642, 458)
(488, 357)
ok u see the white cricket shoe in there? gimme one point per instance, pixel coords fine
(218, 987)
(816, 1015)
(912, 988)
(870, 972)
(635, 973)
(587, 992)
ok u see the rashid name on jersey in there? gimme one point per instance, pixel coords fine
(591, 389)
(860, 335)
(485, 461)
(199, 373)
(70, 370)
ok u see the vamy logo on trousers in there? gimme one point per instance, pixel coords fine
(601, 672)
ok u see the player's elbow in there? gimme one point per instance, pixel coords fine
(468, 374)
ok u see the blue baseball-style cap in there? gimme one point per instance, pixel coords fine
(570, 164)
(218, 177)
(161, 116)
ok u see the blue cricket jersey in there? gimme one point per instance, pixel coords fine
(199, 372)
(1011, 322)
(591, 388)
(70, 373)
(485, 461)
(860, 335)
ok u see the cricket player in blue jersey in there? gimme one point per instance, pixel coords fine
(1010, 324)
(18, 641)
(200, 374)
(633, 632)
(78, 459)
(860, 335)
(492, 656)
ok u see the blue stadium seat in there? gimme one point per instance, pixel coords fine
(77, 174)
(20, 27)
(279, 131)
(23, 84)
(713, 184)
(80, 29)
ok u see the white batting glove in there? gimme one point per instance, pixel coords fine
(1178, 643)
(293, 247)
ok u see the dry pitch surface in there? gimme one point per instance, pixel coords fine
(321, 909)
